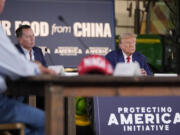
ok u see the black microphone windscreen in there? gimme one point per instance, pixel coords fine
(60, 18)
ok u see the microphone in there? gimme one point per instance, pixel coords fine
(61, 19)
(49, 56)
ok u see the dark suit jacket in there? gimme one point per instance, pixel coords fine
(38, 55)
(117, 56)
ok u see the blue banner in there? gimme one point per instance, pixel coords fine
(69, 30)
(137, 115)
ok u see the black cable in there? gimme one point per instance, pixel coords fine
(61, 18)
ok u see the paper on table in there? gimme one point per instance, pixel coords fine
(127, 69)
(59, 69)
(165, 75)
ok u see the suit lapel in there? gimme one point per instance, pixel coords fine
(133, 57)
(19, 48)
(136, 58)
(35, 54)
(121, 56)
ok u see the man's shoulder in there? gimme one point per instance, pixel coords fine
(139, 55)
(35, 48)
(17, 45)
(114, 52)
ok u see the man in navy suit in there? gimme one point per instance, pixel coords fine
(127, 53)
(26, 44)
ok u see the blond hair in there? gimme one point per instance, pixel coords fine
(126, 35)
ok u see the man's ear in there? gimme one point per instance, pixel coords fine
(19, 40)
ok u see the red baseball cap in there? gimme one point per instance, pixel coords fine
(95, 64)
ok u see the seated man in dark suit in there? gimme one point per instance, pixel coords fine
(127, 53)
(26, 46)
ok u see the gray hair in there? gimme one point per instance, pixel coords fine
(127, 35)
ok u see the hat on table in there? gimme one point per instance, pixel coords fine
(95, 64)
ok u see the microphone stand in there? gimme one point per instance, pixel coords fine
(61, 18)
(46, 50)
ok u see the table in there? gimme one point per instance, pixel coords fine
(55, 88)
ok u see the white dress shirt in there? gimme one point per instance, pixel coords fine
(125, 58)
(26, 53)
(12, 63)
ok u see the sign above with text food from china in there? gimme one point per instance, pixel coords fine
(66, 31)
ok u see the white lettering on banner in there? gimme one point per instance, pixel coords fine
(144, 109)
(60, 29)
(157, 118)
(138, 119)
(144, 118)
(112, 120)
(18, 23)
(6, 26)
(80, 29)
(126, 121)
(137, 128)
(45, 50)
(87, 29)
(177, 118)
(149, 118)
(44, 29)
(68, 51)
(39, 28)
(98, 50)
(165, 118)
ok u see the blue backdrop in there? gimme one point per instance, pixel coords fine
(68, 29)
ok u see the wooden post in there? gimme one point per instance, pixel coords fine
(71, 116)
(54, 111)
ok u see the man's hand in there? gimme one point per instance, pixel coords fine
(45, 70)
(143, 72)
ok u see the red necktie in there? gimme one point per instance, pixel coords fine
(128, 59)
